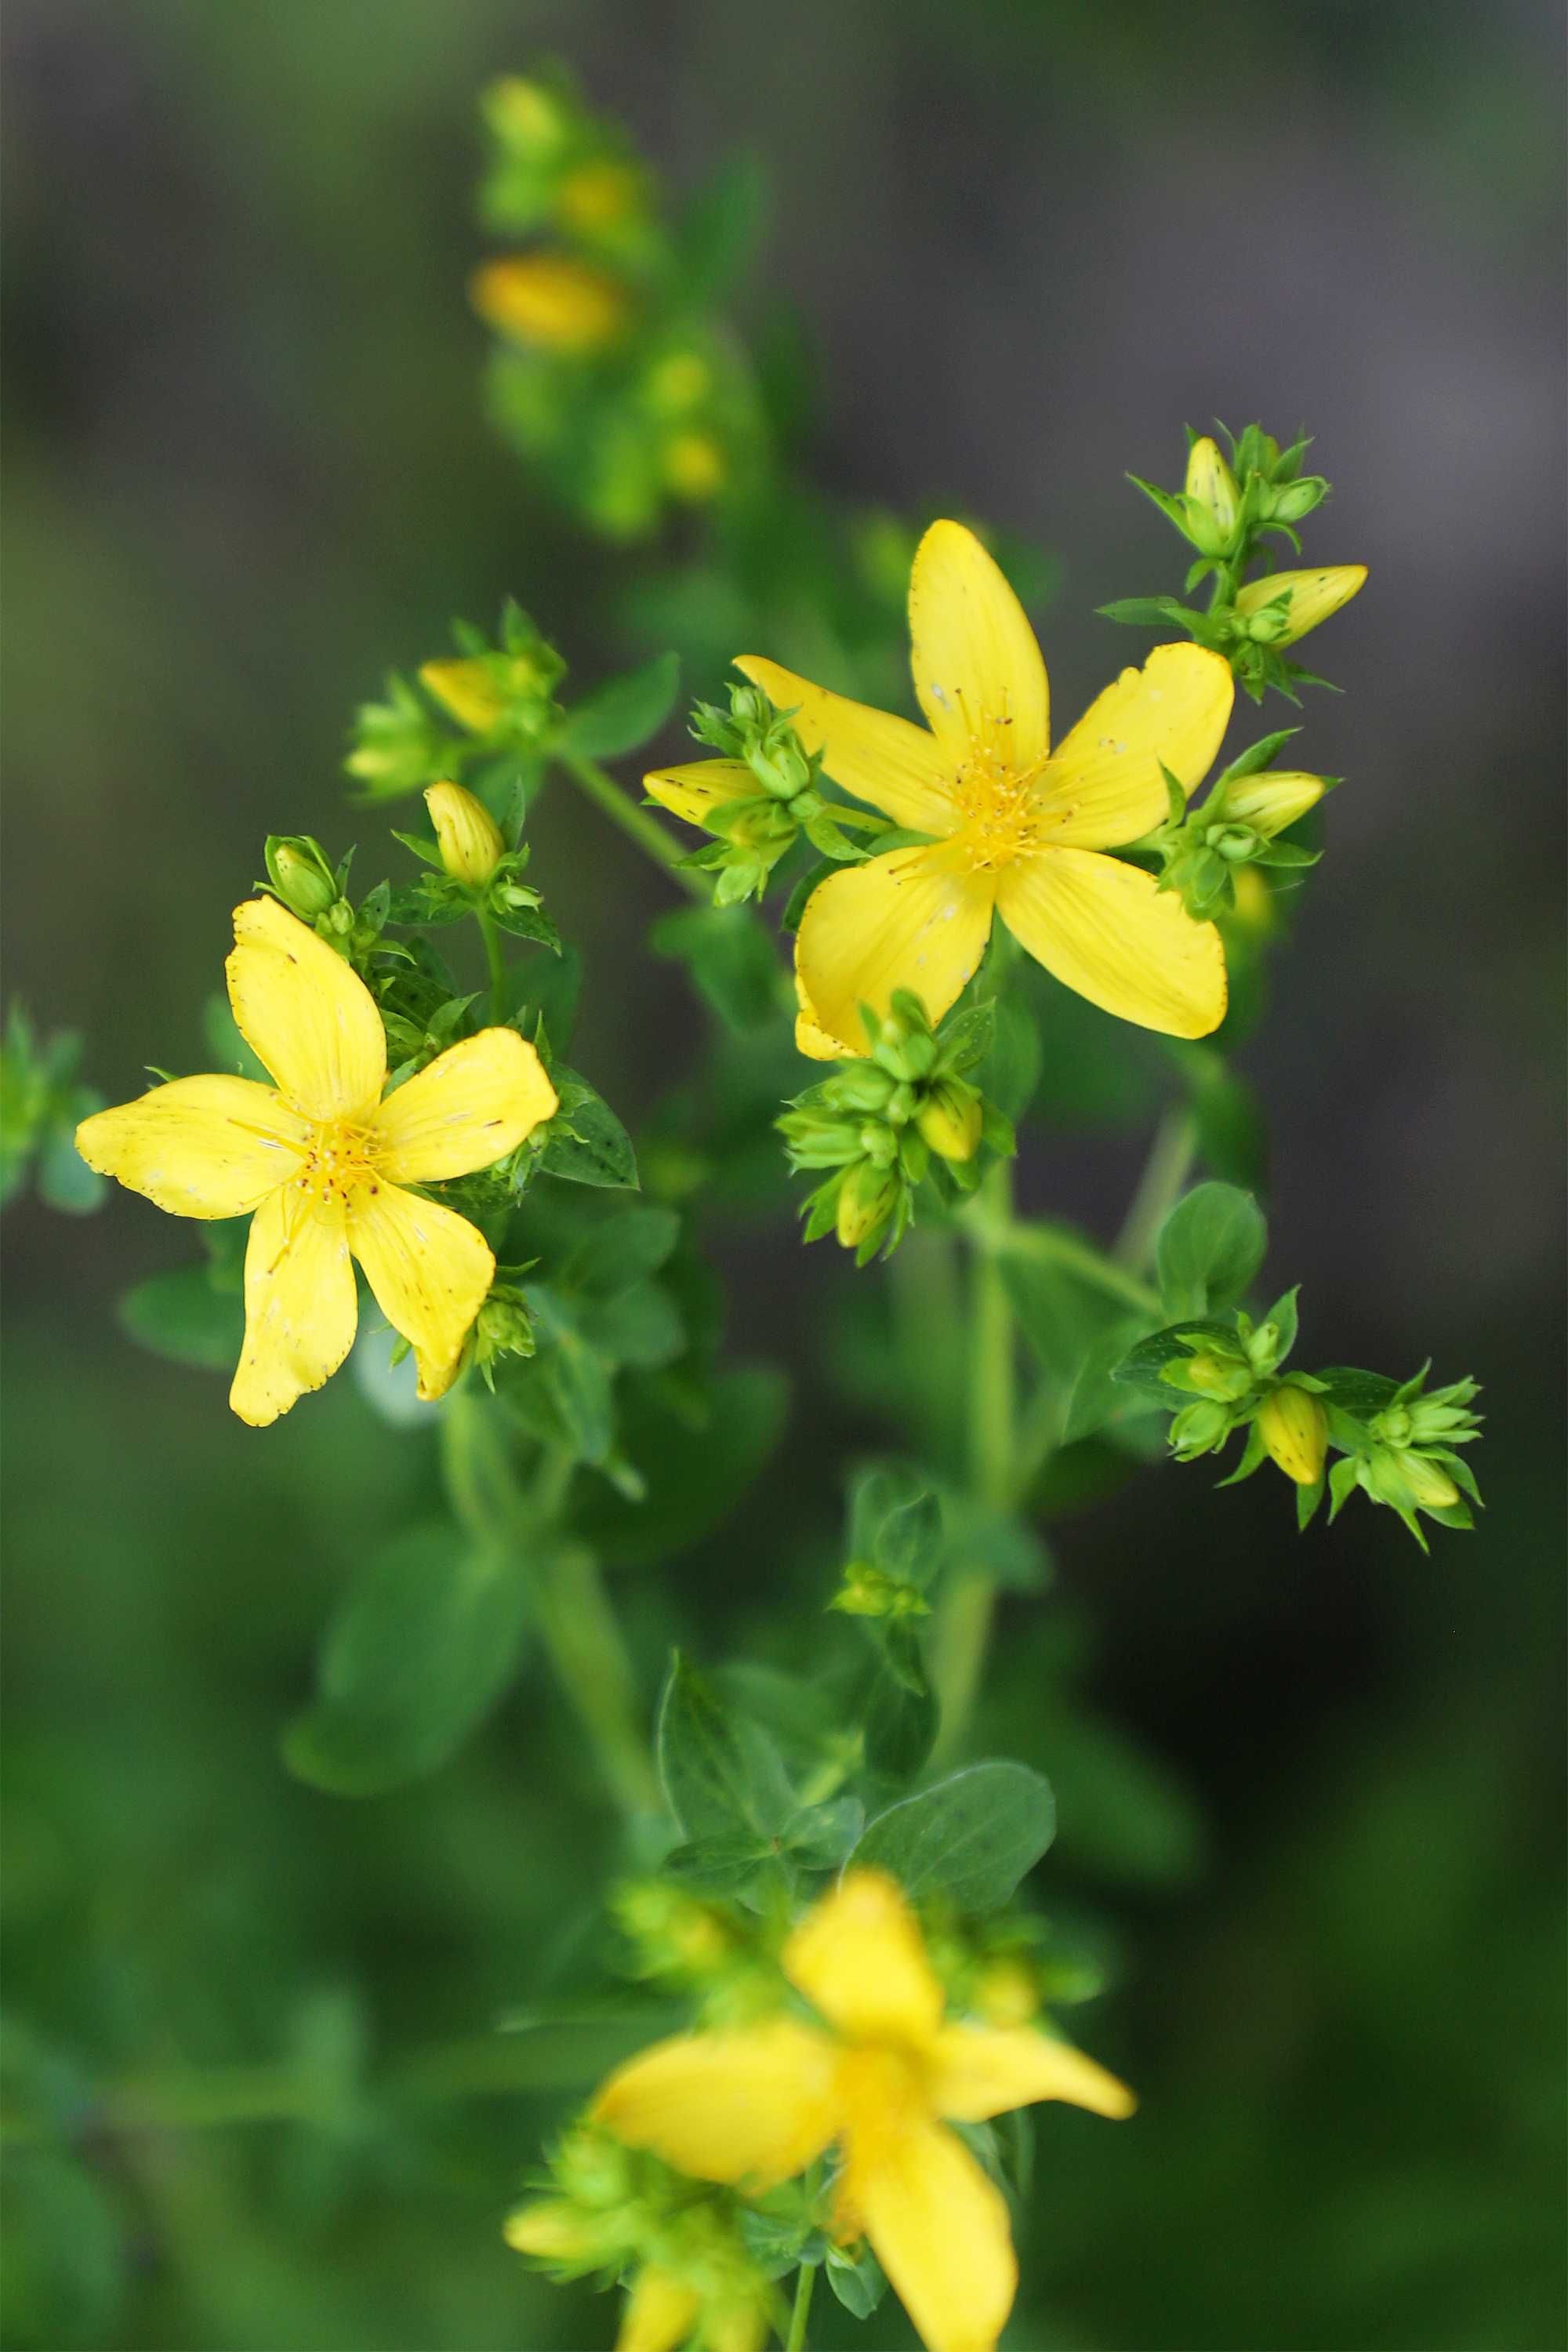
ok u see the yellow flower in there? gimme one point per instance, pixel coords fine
(1304, 599)
(755, 2106)
(322, 1161)
(1017, 830)
(467, 836)
(1295, 1428)
(552, 302)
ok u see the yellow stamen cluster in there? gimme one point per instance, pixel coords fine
(998, 814)
(340, 1159)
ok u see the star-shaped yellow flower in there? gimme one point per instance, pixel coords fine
(753, 2105)
(1018, 830)
(323, 1162)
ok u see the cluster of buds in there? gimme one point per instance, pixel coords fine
(607, 375)
(1400, 1446)
(1225, 509)
(674, 2244)
(1231, 1374)
(502, 1327)
(471, 871)
(302, 877)
(1238, 825)
(501, 696)
(882, 1124)
(42, 1103)
(756, 799)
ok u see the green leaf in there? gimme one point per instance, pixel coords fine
(970, 1838)
(1144, 1365)
(181, 1316)
(1010, 1070)
(719, 233)
(420, 1649)
(621, 1249)
(730, 958)
(586, 1142)
(899, 1714)
(564, 1392)
(697, 1471)
(895, 1522)
(722, 1776)
(1062, 1317)
(857, 2280)
(66, 1183)
(625, 711)
(640, 1327)
(1210, 1246)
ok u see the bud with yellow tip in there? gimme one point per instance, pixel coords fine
(866, 1200)
(1294, 1426)
(467, 836)
(526, 114)
(599, 195)
(552, 2231)
(694, 466)
(552, 302)
(1273, 801)
(1212, 494)
(298, 870)
(1283, 606)
(949, 1120)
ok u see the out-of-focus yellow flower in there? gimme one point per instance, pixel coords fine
(552, 302)
(1295, 1428)
(755, 2105)
(1303, 599)
(528, 113)
(694, 466)
(553, 2230)
(599, 195)
(467, 836)
(323, 1162)
(1017, 830)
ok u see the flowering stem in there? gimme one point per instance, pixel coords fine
(571, 1611)
(804, 2285)
(633, 819)
(495, 964)
(963, 1621)
(1168, 1166)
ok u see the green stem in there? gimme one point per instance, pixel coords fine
(1055, 1246)
(495, 964)
(964, 1620)
(570, 1610)
(805, 2286)
(1168, 1166)
(633, 819)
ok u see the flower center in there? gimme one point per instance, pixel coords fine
(998, 818)
(339, 1158)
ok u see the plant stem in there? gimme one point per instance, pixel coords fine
(963, 1619)
(633, 819)
(495, 964)
(1165, 1171)
(570, 1610)
(805, 2286)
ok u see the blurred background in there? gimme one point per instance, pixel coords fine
(246, 470)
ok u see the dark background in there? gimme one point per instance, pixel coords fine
(246, 471)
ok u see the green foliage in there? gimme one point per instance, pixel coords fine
(969, 1838)
(1209, 1248)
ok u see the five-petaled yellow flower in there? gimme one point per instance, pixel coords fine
(1017, 830)
(753, 2105)
(323, 1162)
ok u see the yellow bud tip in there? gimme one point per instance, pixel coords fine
(1430, 1484)
(467, 835)
(1295, 1428)
(525, 112)
(1273, 801)
(465, 688)
(551, 2230)
(1211, 482)
(1006, 1994)
(694, 466)
(599, 196)
(660, 2314)
(550, 303)
(1311, 597)
(949, 1124)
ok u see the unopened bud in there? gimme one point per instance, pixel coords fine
(554, 2231)
(1294, 501)
(527, 115)
(550, 303)
(1295, 1428)
(466, 690)
(677, 384)
(904, 1046)
(1430, 1484)
(866, 1203)
(1287, 604)
(1270, 802)
(1215, 1375)
(1211, 486)
(599, 196)
(467, 836)
(298, 870)
(694, 466)
(949, 1120)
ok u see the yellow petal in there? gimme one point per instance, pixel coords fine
(198, 1147)
(429, 1270)
(306, 1016)
(1105, 786)
(980, 2070)
(301, 1310)
(660, 2313)
(1103, 928)
(810, 1037)
(755, 2106)
(898, 768)
(978, 671)
(908, 919)
(470, 1107)
(939, 2228)
(1311, 597)
(693, 789)
(858, 1957)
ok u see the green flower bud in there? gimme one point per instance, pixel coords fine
(949, 1120)
(866, 1204)
(817, 1139)
(1270, 802)
(1214, 1375)
(861, 1087)
(1292, 501)
(870, 1591)
(905, 1046)
(467, 836)
(1283, 606)
(1198, 1429)
(298, 870)
(1211, 492)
